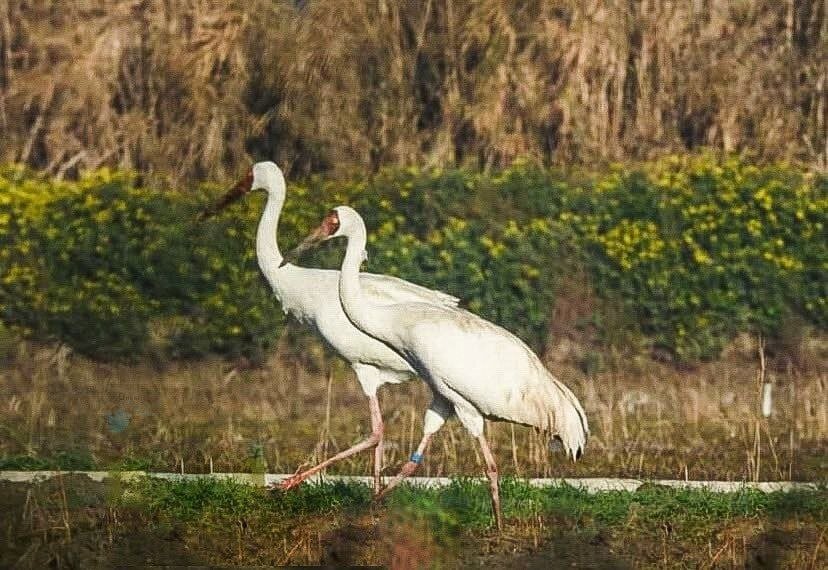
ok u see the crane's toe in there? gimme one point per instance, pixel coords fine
(287, 484)
(407, 469)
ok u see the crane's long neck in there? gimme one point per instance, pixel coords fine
(267, 246)
(358, 310)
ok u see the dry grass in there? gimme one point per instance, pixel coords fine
(647, 419)
(197, 88)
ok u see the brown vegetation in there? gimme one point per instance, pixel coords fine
(647, 419)
(195, 88)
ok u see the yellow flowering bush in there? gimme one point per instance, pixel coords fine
(694, 248)
(700, 249)
(500, 273)
(100, 265)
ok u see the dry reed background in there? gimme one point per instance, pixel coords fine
(647, 420)
(191, 89)
(195, 88)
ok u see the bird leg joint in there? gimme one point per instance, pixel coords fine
(376, 434)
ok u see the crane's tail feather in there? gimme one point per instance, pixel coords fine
(573, 429)
(560, 414)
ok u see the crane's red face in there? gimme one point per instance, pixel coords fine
(241, 188)
(326, 230)
(329, 225)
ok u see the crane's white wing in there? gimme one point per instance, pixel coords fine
(388, 290)
(469, 358)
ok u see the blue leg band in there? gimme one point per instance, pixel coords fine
(417, 457)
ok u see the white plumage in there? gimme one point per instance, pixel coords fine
(311, 296)
(475, 369)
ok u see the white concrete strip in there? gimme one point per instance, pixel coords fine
(590, 485)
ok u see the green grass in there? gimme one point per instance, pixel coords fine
(74, 522)
(62, 460)
(188, 500)
(465, 504)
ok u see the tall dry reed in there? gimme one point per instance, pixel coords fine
(197, 88)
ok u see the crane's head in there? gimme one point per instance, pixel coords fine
(341, 221)
(262, 176)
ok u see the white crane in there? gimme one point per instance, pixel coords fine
(312, 297)
(475, 369)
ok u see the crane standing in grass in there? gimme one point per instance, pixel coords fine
(311, 296)
(474, 368)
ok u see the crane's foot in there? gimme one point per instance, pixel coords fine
(408, 469)
(287, 484)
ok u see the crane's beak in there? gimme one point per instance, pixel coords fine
(241, 188)
(313, 240)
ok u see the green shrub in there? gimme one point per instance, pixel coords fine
(94, 263)
(687, 250)
(700, 249)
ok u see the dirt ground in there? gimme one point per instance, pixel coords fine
(78, 530)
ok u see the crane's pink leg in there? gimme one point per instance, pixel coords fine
(491, 471)
(374, 440)
(410, 466)
(376, 420)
